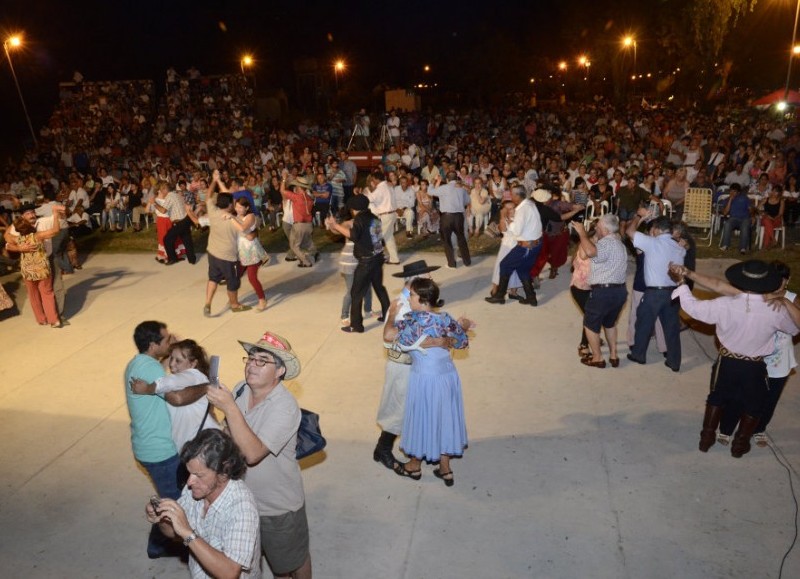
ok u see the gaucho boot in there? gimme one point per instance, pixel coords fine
(708, 436)
(499, 296)
(741, 440)
(383, 450)
(530, 293)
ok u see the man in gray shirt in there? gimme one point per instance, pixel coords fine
(453, 199)
(222, 248)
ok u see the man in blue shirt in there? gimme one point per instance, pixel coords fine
(453, 199)
(151, 428)
(737, 210)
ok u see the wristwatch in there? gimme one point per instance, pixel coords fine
(189, 538)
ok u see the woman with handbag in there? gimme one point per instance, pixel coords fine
(35, 266)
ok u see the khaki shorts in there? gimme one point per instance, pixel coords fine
(284, 540)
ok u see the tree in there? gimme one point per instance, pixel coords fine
(712, 20)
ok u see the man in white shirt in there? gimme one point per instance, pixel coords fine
(526, 230)
(404, 199)
(381, 203)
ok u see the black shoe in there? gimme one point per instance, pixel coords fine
(495, 300)
(673, 368)
(352, 330)
(447, 477)
(287, 258)
(171, 262)
(385, 457)
(632, 358)
(316, 257)
(515, 297)
(304, 265)
(192, 260)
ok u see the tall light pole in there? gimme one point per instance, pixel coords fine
(16, 42)
(246, 62)
(627, 42)
(791, 53)
(338, 68)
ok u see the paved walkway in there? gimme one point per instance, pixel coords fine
(571, 471)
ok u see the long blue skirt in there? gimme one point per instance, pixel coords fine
(434, 419)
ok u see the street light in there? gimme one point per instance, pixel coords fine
(15, 42)
(426, 68)
(583, 60)
(338, 68)
(629, 41)
(792, 53)
(562, 66)
(246, 62)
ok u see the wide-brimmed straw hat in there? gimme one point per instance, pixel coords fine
(277, 346)
(301, 182)
(416, 268)
(754, 276)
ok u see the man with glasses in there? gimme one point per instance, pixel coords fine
(263, 418)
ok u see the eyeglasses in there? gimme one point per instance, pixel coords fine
(260, 362)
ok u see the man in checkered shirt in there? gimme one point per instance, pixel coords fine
(216, 515)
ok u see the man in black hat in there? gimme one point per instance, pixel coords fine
(398, 367)
(367, 237)
(746, 325)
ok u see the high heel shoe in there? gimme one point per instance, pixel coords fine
(614, 362)
(588, 362)
(447, 477)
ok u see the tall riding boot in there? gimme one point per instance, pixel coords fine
(499, 296)
(530, 293)
(708, 436)
(741, 441)
(383, 450)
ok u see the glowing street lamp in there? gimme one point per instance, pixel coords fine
(15, 42)
(630, 41)
(792, 52)
(562, 66)
(583, 60)
(246, 62)
(338, 68)
(426, 68)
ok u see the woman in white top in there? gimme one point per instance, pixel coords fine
(188, 366)
(480, 206)
(251, 253)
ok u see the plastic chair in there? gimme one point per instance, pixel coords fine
(778, 232)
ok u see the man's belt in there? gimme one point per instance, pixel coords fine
(661, 287)
(530, 244)
(726, 353)
(606, 285)
(387, 212)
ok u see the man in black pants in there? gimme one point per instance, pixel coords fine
(453, 199)
(182, 218)
(367, 239)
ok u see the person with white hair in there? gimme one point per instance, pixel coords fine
(608, 292)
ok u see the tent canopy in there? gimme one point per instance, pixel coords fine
(793, 98)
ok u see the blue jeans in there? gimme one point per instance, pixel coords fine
(743, 225)
(658, 304)
(520, 259)
(164, 475)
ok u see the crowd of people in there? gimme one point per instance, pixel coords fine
(613, 179)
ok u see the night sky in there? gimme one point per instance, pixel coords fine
(489, 45)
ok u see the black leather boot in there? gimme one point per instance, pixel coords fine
(383, 450)
(499, 296)
(741, 440)
(530, 293)
(708, 436)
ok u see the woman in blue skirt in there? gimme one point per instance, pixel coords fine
(433, 427)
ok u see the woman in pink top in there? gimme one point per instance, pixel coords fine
(580, 290)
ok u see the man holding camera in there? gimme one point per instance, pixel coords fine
(263, 418)
(216, 516)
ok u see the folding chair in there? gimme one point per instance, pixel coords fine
(697, 211)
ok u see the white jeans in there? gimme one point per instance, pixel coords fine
(387, 225)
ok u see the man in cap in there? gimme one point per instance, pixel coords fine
(746, 325)
(391, 410)
(263, 419)
(367, 238)
(216, 515)
(300, 241)
(526, 230)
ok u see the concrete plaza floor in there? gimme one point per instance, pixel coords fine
(571, 471)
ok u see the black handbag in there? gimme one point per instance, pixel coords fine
(309, 436)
